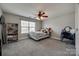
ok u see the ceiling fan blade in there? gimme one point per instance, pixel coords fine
(44, 16)
(41, 13)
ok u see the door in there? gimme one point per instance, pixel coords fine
(77, 28)
(0, 41)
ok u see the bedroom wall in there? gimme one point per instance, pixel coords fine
(0, 12)
(0, 24)
(11, 18)
(59, 22)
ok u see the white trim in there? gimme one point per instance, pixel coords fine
(57, 38)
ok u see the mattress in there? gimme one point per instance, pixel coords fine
(38, 35)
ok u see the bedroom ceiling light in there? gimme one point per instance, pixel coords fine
(41, 15)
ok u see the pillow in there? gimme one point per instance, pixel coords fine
(42, 30)
(67, 29)
(47, 30)
(72, 31)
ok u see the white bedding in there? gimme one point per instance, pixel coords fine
(38, 35)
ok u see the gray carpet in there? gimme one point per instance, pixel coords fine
(46, 47)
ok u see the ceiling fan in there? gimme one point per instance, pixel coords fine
(41, 15)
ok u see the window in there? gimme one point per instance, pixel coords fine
(31, 26)
(27, 26)
(24, 26)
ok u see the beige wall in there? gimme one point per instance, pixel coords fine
(10, 18)
(0, 24)
(0, 12)
(59, 22)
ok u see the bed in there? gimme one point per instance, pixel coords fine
(38, 35)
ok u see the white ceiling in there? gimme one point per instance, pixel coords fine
(31, 9)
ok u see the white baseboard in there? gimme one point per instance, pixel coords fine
(57, 38)
(23, 38)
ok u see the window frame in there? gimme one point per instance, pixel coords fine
(28, 27)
